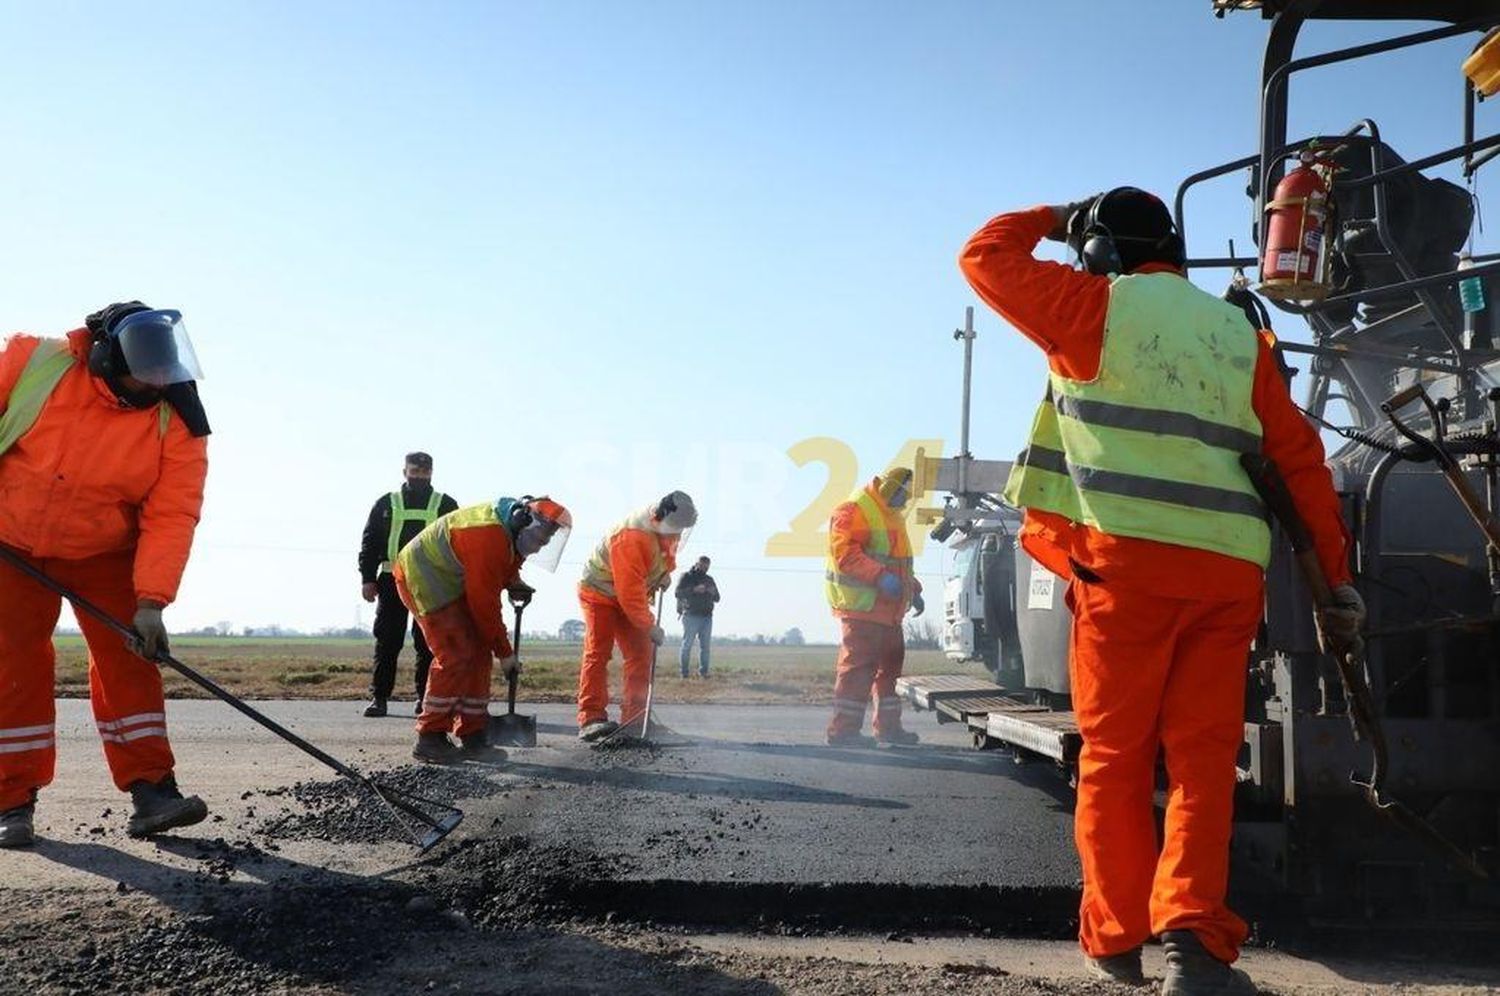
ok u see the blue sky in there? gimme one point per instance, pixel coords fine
(598, 249)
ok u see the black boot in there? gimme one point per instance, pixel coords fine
(17, 826)
(1124, 967)
(1192, 971)
(435, 748)
(162, 807)
(375, 709)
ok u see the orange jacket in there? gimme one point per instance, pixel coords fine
(92, 477)
(630, 555)
(1063, 311)
(487, 564)
(848, 535)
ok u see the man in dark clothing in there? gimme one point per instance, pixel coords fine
(394, 522)
(696, 595)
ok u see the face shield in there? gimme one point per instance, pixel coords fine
(544, 538)
(157, 349)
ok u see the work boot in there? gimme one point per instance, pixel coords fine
(477, 746)
(162, 807)
(850, 738)
(435, 748)
(897, 738)
(1192, 971)
(17, 826)
(375, 709)
(1124, 967)
(597, 730)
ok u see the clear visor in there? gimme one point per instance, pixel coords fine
(157, 349)
(675, 542)
(542, 543)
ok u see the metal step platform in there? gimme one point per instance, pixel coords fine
(993, 716)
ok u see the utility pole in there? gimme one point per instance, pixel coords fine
(967, 335)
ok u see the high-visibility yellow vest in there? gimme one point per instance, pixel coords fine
(433, 573)
(889, 545)
(44, 370)
(598, 573)
(400, 516)
(1150, 447)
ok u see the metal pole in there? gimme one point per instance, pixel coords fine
(967, 334)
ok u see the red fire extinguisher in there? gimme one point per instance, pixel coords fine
(1294, 266)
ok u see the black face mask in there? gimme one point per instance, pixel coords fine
(419, 487)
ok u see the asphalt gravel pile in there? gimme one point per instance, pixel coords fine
(513, 882)
(344, 811)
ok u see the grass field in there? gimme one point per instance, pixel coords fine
(340, 669)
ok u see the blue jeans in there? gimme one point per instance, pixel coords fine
(700, 628)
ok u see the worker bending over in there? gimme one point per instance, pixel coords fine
(1134, 493)
(870, 586)
(630, 565)
(102, 460)
(451, 577)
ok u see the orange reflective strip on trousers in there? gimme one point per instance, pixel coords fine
(458, 682)
(606, 626)
(124, 690)
(1153, 673)
(870, 659)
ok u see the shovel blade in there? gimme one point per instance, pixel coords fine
(513, 730)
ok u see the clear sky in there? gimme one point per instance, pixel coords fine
(599, 249)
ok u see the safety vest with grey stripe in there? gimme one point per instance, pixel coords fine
(599, 573)
(1150, 447)
(889, 547)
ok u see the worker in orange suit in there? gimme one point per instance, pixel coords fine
(450, 577)
(1134, 493)
(870, 586)
(630, 566)
(102, 461)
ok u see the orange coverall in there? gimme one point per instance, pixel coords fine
(99, 500)
(467, 634)
(1161, 633)
(872, 647)
(637, 561)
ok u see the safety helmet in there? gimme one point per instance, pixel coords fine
(673, 519)
(541, 528)
(895, 487)
(151, 345)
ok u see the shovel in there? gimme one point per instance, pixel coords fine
(512, 729)
(426, 821)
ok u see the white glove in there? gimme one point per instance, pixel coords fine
(1340, 624)
(658, 635)
(510, 665)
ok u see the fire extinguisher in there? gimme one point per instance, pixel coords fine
(1294, 266)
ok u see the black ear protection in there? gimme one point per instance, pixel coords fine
(105, 359)
(664, 508)
(521, 515)
(1100, 253)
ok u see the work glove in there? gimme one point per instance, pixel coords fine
(369, 590)
(1067, 220)
(509, 666)
(917, 605)
(1340, 624)
(658, 635)
(151, 632)
(889, 584)
(520, 594)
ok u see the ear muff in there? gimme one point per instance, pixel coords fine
(102, 358)
(520, 514)
(1098, 252)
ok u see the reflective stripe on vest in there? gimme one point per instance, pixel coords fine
(889, 546)
(598, 573)
(433, 574)
(1150, 448)
(44, 369)
(400, 516)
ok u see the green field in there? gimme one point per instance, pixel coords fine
(339, 669)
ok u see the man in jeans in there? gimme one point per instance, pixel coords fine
(696, 595)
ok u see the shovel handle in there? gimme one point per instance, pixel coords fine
(513, 679)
